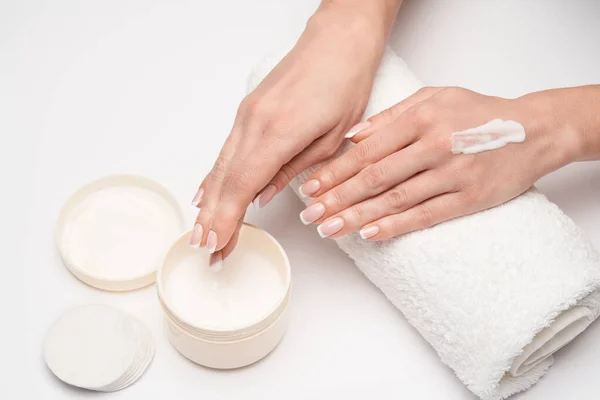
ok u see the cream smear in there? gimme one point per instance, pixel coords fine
(119, 232)
(244, 290)
(489, 136)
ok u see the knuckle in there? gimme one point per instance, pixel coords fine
(288, 172)
(327, 177)
(237, 181)
(223, 221)
(450, 175)
(218, 171)
(363, 152)
(227, 213)
(356, 214)
(397, 198)
(256, 108)
(220, 166)
(425, 90)
(373, 177)
(468, 173)
(451, 93)
(327, 151)
(424, 216)
(275, 126)
(386, 115)
(424, 114)
(433, 150)
(333, 200)
(464, 164)
(392, 226)
(477, 193)
(201, 217)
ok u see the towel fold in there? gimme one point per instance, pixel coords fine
(495, 293)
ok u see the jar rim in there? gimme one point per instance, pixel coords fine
(227, 334)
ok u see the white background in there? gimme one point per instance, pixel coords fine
(90, 88)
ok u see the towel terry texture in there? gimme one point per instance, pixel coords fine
(495, 293)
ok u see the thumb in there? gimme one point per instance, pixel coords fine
(363, 130)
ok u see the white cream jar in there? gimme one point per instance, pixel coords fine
(228, 317)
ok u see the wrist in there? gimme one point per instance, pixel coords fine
(553, 140)
(580, 106)
(368, 23)
(570, 116)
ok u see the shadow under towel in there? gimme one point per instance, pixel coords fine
(495, 293)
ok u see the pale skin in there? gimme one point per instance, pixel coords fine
(401, 176)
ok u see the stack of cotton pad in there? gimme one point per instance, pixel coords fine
(99, 348)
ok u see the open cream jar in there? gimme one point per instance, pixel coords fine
(231, 316)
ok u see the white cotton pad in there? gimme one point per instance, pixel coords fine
(145, 355)
(98, 347)
(114, 232)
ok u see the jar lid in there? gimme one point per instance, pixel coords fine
(114, 232)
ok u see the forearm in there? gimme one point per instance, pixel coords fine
(580, 109)
(565, 123)
(379, 14)
(359, 26)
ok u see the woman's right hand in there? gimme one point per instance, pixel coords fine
(296, 118)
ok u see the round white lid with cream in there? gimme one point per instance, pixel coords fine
(114, 232)
(248, 287)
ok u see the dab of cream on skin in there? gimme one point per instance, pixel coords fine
(489, 136)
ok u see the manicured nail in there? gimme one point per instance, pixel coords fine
(211, 241)
(196, 236)
(357, 128)
(309, 188)
(312, 213)
(197, 197)
(265, 196)
(330, 227)
(369, 231)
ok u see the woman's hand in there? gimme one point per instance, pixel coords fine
(402, 175)
(295, 118)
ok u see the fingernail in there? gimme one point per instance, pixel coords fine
(357, 128)
(309, 188)
(330, 227)
(312, 213)
(211, 241)
(197, 197)
(369, 231)
(196, 236)
(265, 196)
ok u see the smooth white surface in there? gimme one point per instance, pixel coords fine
(151, 87)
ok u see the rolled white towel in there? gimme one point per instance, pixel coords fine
(495, 293)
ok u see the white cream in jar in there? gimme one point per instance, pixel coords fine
(230, 316)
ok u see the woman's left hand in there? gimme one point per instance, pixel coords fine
(402, 175)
